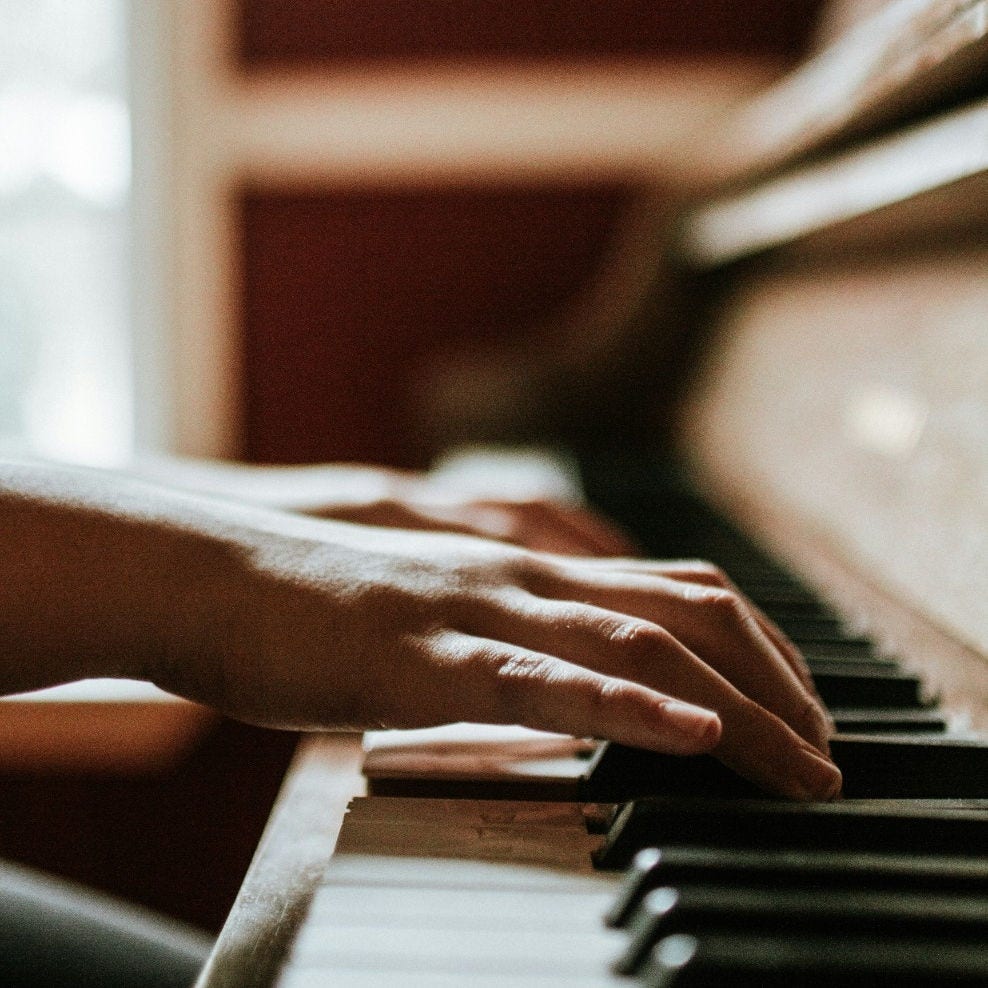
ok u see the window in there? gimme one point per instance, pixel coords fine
(65, 365)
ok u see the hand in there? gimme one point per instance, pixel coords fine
(336, 625)
(391, 498)
(542, 525)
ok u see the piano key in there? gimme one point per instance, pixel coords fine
(618, 773)
(308, 977)
(794, 869)
(848, 688)
(378, 946)
(889, 721)
(683, 961)
(858, 648)
(874, 766)
(770, 911)
(811, 627)
(910, 768)
(948, 827)
(424, 907)
(832, 665)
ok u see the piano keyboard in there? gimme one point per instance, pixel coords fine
(721, 886)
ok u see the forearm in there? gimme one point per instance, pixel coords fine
(102, 577)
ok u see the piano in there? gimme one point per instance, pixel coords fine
(832, 455)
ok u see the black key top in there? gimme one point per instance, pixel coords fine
(952, 828)
(874, 767)
(854, 665)
(847, 688)
(889, 721)
(799, 869)
(812, 627)
(859, 648)
(839, 912)
(911, 768)
(684, 961)
(618, 773)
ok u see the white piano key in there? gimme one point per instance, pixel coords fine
(316, 978)
(429, 908)
(451, 950)
(411, 871)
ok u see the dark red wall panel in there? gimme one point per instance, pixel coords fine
(346, 294)
(321, 31)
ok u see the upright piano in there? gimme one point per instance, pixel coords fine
(832, 456)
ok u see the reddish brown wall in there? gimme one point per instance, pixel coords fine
(321, 31)
(346, 294)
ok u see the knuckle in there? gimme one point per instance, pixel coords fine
(537, 574)
(637, 649)
(637, 637)
(727, 607)
(709, 572)
(612, 692)
(811, 722)
(515, 677)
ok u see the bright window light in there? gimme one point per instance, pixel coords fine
(65, 368)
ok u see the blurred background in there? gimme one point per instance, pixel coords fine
(324, 230)
(257, 228)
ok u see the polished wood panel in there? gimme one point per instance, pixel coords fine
(926, 182)
(842, 414)
(904, 59)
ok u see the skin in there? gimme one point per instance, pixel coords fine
(309, 623)
(370, 495)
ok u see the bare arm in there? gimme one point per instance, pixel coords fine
(299, 622)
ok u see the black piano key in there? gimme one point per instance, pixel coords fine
(712, 961)
(952, 828)
(838, 912)
(909, 768)
(855, 665)
(873, 766)
(811, 627)
(647, 871)
(848, 688)
(770, 595)
(618, 773)
(858, 648)
(808, 870)
(889, 721)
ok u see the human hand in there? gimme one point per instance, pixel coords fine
(371, 495)
(537, 523)
(344, 626)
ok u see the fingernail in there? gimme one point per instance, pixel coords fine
(818, 778)
(695, 722)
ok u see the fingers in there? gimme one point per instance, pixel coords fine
(619, 702)
(700, 571)
(588, 533)
(715, 624)
(511, 685)
(547, 526)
